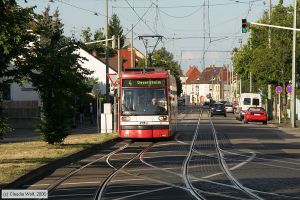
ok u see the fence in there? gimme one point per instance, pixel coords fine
(22, 114)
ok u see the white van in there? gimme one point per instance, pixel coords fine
(247, 100)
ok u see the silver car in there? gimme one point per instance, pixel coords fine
(229, 108)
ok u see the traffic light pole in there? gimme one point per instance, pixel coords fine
(293, 95)
(274, 26)
(294, 29)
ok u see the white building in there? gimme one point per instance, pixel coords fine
(196, 93)
(26, 92)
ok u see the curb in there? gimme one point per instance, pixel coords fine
(47, 169)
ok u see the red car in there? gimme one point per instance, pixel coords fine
(256, 114)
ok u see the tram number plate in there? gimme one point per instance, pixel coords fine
(142, 123)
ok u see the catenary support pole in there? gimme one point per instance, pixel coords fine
(131, 55)
(293, 95)
(106, 52)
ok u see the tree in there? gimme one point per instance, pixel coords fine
(115, 28)
(269, 63)
(57, 75)
(97, 48)
(164, 59)
(14, 40)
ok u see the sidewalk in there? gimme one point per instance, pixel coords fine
(25, 135)
(285, 126)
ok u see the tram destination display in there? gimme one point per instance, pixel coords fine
(144, 82)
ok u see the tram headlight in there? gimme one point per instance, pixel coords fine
(125, 118)
(163, 118)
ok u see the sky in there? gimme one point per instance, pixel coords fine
(196, 32)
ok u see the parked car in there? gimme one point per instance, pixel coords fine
(218, 109)
(206, 105)
(228, 107)
(246, 101)
(180, 102)
(256, 114)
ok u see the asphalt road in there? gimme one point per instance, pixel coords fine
(209, 158)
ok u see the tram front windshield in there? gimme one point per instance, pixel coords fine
(144, 101)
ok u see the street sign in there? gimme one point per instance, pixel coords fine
(278, 89)
(214, 71)
(289, 88)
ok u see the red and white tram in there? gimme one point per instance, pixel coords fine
(148, 104)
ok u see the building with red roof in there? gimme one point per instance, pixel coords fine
(212, 82)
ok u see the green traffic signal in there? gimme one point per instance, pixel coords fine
(244, 25)
(244, 30)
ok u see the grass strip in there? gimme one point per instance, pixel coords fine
(18, 158)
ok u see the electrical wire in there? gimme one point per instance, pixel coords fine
(140, 17)
(185, 16)
(80, 8)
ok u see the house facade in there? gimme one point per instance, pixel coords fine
(22, 103)
(212, 83)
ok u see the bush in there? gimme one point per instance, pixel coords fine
(53, 132)
(4, 127)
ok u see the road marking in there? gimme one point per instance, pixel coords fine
(78, 183)
(127, 191)
(37, 185)
(125, 180)
(234, 167)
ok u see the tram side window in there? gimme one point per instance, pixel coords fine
(128, 104)
(161, 97)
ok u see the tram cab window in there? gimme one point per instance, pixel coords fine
(138, 101)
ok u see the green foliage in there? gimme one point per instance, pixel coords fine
(164, 59)
(115, 28)
(14, 40)
(56, 73)
(4, 128)
(269, 63)
(97, 49)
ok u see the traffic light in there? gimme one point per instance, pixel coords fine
(244, 25)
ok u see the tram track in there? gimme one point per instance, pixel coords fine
(189, 186)
(191, 183)
(190, 179)
(52, 187)
(101, 189)
(225, 167)
(185, 175)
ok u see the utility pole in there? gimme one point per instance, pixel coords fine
(146, 47)
(240, 78)
(145, 41)
(269, 100)
(117, 96)
(293, 95)
(269, 33)
(250, 90)
(131, 55)
(227, 83)
(106, 53)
